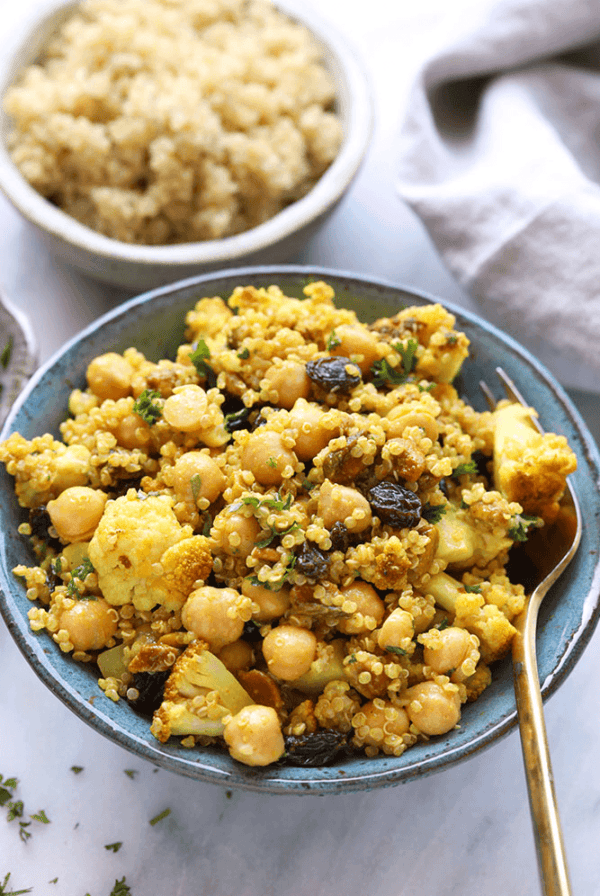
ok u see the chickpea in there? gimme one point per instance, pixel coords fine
(397, 630)
(290, 381)
(76, 512)
(272, 604)
(358, 344)
(237, 656)
(340, 503)
(72, 467)
(197, 475)
(403, 416)
(266, 457)
(289, 651)
(90, 624)
(184, 410)
(254, 736)
(433, 709)
(312, 435)
(212, 614)
(235, 533)
(369, 612)
(452, 651)
(132, 432)
(109, 376)
(383, 721)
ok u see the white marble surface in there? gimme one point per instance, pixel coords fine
(463, 832)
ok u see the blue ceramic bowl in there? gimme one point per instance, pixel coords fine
(154, 323)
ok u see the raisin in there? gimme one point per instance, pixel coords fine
(40, 522)
(340, 537)
(396, 505)
(336, 374)
(313, 750)
(150, 686)
(311, 562)
(237, 420)
(251, 632)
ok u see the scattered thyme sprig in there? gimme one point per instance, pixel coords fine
(5, 892)
(15, 808)
(199, 358)
(79, 574)
(6, 353)
(145, 407)
(521, 524)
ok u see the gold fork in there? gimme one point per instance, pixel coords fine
(550, 560)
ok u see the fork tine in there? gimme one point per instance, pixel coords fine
(488, 394)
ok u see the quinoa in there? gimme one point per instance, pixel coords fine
(229, 530)
(171, 121)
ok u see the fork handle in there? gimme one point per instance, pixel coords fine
(540, 783)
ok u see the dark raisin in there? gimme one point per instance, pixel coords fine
(40, 522)
(340, 537)
(336, 374)
(52, 579)
(122, 486)
(396, 505)
(237, 420)
(311, 562)
(251, 632)
(150, 686)
(313, 750)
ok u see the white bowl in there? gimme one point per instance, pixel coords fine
(141, 267)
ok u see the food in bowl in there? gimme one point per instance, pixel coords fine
(158, 122)
(288, 540)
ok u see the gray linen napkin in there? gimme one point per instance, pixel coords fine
(499, 155)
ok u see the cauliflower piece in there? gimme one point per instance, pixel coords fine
(478, 531)
(530, 467)
(144, 556)
(200, 694)
(44, 467)
(470, 611)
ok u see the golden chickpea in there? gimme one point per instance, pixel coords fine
(340, 503)
(212, 614)
(403, 416)
(289, 651)
(235, 533)
(254, 736)
(109, 376)
(369, 612)
(433, 709)
(76, 512)
(397, 630)
(72, 467)
(311, 432)
(383, 721)
(185, 409)
(272, 604)
(290, 381)
(197, 475)
(132, 432)
(266, 457)
(90, 624)
(358, 344)
(452, 651)
(237, 656)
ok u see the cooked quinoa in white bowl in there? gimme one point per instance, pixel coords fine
(259, 527)
(150, 140)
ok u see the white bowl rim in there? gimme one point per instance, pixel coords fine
(328, 189)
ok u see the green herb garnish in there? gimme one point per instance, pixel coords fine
(244, 353)
(433, 512)
(5, 892)
(80, 574)
(196, 485)
(160, 816)
(130, 772)
(199, 358)
(333, 341)
(41, 817)
(76, 769)
(521, 524)
(145, 406)
(120, 888)
(6, 353)
(473, 589)
(470, 468)
(113, 847)
(399, 651)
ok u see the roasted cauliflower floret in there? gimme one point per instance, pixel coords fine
(143, 556)
(43, 467)
(199, 695)
(530, 467)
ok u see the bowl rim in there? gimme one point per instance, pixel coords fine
(327, 190)
(273, 780)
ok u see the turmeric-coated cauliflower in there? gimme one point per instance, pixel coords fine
(144, 556)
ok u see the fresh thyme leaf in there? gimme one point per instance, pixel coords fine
(333, 340)
(272, 462)
(120, 888)
(77, 769)
(130, 772)
(199, 358)
(196, 485)
(469, 468)
(522, 523)
(15, 810)
(443, 624)
(41, 817)
(408, 353)
(399, 651)
(53, 881)
(114, 847)
(80, 573)
(160, 816)
(145, 407)
(244, 353)
(473, 589)
(6, 353)
(433, 512)
(385, 374)
(5, 892)
(24, 834)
